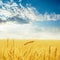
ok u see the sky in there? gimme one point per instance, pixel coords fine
(30, 19)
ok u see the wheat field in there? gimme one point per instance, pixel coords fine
(29, 49)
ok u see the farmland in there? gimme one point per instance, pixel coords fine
(29, 49)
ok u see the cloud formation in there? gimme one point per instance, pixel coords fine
(27, 31)
(28, 13)
(19, 22)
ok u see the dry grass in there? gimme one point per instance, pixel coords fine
(29, 50)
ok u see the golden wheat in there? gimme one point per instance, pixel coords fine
(29, 50)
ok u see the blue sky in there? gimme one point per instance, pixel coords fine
(42, 6)
(30, 18)
(45, 5)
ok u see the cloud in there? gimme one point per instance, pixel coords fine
(18, 22)
(4, 14)
(2, 21)
(20, 0)
(27, 31)
(0, 2)
(28, 13)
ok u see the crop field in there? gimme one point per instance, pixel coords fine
(29, 49)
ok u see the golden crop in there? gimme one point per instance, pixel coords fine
(29, 50)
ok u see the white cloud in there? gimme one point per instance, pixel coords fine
(25, 31)
(28, 12)
(0, 2)
(20, 0)
(11, 1)
(18, 31)
(4, 15)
